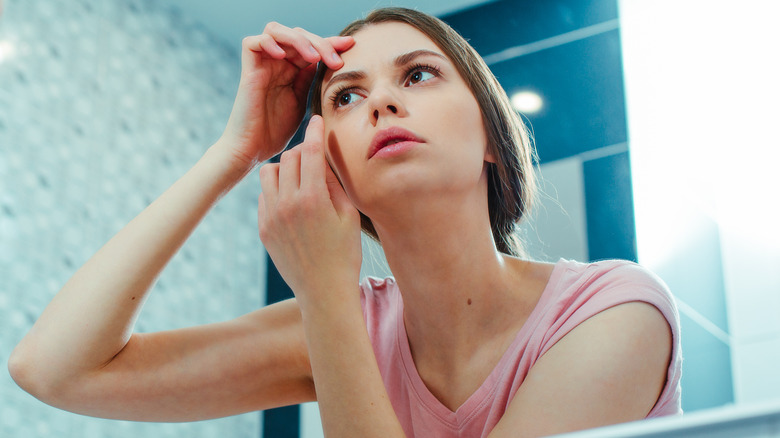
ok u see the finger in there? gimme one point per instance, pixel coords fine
(262, 214)
(341, 43)
(313, 156)
(288, 38)
(267, 44)
(256, 47)
(329, 54)
(269, 183)
(263, 43)
(289, 172)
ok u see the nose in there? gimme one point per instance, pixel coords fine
(385, 103)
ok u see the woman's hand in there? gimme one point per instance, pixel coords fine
(308, 224)
(277, 68)
(312, 232)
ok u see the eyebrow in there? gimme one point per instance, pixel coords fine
(399, 61)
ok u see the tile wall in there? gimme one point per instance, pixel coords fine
(102, 106)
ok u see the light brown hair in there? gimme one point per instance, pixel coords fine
(511, 180)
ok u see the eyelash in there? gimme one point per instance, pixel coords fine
(432, 69)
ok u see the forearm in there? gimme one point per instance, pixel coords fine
(90, 320)
(351, 395)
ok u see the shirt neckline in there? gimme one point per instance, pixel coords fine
(471, 407)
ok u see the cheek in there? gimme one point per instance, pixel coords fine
(464, 126)
(339, 159)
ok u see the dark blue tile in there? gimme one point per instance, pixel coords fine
(495, 26)
(706, 376)
(609, 208)
(581, 85)
(281, 422)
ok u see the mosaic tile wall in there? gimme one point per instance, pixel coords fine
(102, 106)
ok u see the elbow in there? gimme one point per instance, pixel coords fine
(20, 367)
(26, 371)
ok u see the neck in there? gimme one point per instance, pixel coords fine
(456, 286)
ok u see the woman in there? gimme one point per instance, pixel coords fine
(466, 340)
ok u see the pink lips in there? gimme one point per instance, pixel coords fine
(390, 136)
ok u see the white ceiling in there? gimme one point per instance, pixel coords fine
(231, 20)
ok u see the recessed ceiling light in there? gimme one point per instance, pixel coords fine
(527, 102)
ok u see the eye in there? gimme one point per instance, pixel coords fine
(421, 73)
(345, 97)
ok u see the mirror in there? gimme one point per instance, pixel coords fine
(653, 134)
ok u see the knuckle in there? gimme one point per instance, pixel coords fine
(309, 200)
(266, 170)
(286, 156)
(271, 26)
(285, 210)
(264, 231)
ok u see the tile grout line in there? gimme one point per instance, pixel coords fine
(547, 43)
(604, 151)
(595, 154)
(703, 321)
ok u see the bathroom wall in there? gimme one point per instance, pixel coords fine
(702, 94)
(102, 106)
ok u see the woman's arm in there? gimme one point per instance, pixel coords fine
(81, 354)
(610, 369)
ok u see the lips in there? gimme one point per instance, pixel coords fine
(390, 136)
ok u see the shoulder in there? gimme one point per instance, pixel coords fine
(610, 368)
(605, 352)
(610, 282)
(577, 291)
(618, 296)
(614, 271)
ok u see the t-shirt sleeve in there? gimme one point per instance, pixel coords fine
(611, 283)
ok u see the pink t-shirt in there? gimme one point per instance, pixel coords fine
(574, 293)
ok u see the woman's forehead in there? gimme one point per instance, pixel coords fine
(383, 43)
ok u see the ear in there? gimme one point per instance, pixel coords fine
(489, 157)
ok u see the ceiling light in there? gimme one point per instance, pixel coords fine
(527, 102)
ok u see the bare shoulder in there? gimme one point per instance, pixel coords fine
(609, 369)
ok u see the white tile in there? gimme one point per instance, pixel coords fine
(81, 176)
(751, 265)
(557, 225)
(756, 365)
(311, 423)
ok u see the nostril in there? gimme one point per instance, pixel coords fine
(376, 114)
(392, 109)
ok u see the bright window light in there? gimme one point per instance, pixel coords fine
(527, 102)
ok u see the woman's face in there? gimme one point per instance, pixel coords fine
(400, 122)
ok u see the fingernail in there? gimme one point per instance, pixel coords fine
(312, 50)
(335, 57)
